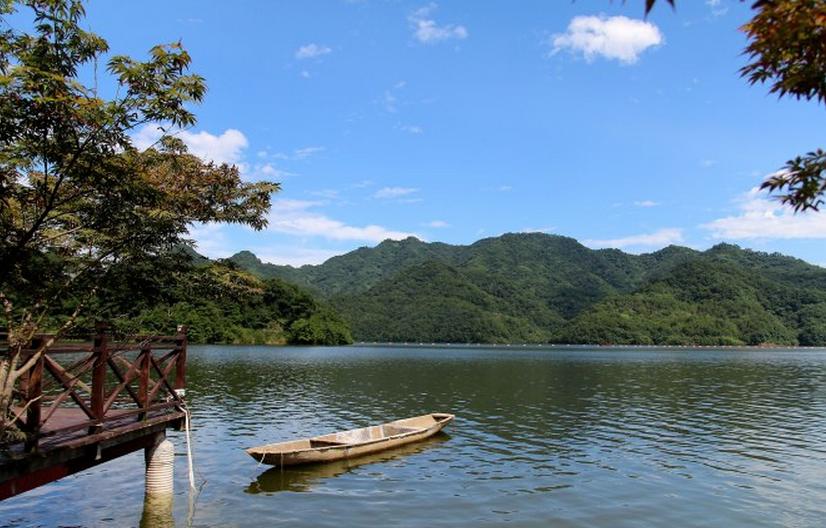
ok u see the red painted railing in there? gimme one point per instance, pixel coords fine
(75, 386)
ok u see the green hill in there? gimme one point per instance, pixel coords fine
(542, 288)
(220, 303)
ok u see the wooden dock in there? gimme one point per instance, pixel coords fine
(83, 404)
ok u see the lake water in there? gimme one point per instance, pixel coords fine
(543, 437)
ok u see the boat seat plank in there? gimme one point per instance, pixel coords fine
(316, 442)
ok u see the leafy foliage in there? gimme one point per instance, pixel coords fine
(787, 41)
(802, 181)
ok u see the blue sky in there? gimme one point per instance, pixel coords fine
(455, 121)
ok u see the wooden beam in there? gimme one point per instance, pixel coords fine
(181, 341)
(101, 351)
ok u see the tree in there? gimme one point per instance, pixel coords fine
(787, 50)
(78, 202)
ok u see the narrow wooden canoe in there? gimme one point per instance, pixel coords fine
(350, 444)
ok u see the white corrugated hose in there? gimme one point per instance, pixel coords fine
(160, 465)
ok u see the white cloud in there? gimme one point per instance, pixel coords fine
(438, 224)
(305, 74)
(427, 31)
(660, 238)
(646, 203)
(504, 188)
(394, 192)
(311, 51)
(619, 38)
(763, 218)
(295, 217)
(225, 148)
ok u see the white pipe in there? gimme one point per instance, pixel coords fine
(160, 465)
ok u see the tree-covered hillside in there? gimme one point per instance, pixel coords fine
(218, 301)
(540, 288)
(223, 304)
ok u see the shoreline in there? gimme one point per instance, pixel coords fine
(583, 346)
(523, 346)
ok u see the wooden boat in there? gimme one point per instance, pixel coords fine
(306, 476)
(350, 444)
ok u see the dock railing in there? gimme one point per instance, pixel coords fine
(76, 386)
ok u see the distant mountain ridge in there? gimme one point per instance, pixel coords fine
(539, 288)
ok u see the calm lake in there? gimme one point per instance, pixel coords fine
(557, 437)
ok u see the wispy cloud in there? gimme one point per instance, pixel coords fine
(763, 218)
(646, 203)
(311, 51)
(297, 217)
(438, 224)
(298, 154)
(389, 102)
(718, 8)
(306, 152)
(269, 171)
(394, 192)
(660, 238)
(293, 256)
(547, 229)
(427, 31)
(329, 194)
(615, 38)
(412, 129)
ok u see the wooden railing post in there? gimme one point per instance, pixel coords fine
(33, 390)
(180, 361)
(101, 354)
(145, 362)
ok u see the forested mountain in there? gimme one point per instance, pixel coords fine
(542, 288)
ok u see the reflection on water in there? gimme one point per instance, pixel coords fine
(303, 478)
(562, 437)
(157, 513)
